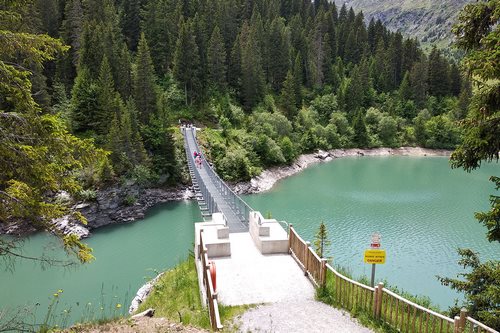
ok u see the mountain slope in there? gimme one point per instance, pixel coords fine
(429, 21)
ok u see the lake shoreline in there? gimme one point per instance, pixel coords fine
(120, 205)
(266, 180)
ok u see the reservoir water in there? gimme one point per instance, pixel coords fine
(422, 208)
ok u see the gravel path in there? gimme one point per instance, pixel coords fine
(303, 316)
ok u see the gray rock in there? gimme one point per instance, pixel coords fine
(126, 204)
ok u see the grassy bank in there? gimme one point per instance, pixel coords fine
(176, 296)
(358, 306)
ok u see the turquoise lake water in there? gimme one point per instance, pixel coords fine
(422, 208)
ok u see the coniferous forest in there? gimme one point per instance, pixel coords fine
(107, 81)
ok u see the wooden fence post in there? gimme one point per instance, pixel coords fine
(323, 272)
(306, 257)
(375, 301)
(456, 325)
(380, 298)
(290, 239)
(463, 319)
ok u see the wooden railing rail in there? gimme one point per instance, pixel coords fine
(379, 302)
(211, 294)
(313, 266)
(350, 294)
(473, 326)
(406, 316)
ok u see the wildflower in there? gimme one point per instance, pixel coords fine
(56, 295)
(60, 291)
(118, 305)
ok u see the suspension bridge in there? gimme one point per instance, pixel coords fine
(258, 261)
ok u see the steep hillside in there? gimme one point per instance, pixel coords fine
(429, 21)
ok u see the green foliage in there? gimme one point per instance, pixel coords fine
(38, 154)
(216, 60)
(478, 34)
(481, 286)
(235, 165)
(176, 296)
(491, 219)
(144, 82)
(187, 60)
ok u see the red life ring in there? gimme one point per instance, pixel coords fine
(213, 274)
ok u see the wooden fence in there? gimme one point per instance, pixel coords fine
(313, 266)
(211, 294)
(379, 302)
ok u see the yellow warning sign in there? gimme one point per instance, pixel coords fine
(374, 256)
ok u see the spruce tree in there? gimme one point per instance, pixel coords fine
(107, 99)
(130, 22)
(279, 53)
(252, 75)
(438, 75)
(321, 241)
(217, 60)
(144, 82)
(84, 103)
(187, 60)
(288, 98)
(361, 138)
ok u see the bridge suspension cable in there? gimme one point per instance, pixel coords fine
(211, 190)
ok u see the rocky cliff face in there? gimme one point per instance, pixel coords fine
(113, 205)
(429, 21)
(126, 204)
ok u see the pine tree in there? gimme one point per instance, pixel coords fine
(144, 82)
(107, 99)
(405, 90)
(455, 80)
(298, 75)
(279, 53)
(288, 96)
(84, 103)
(361, 138)
(438, 74)
(217, 60)
(252, 74)
(418, 82)
(187, 60)
(321, 241)
(130, 22)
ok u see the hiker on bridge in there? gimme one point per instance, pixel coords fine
(198, 161)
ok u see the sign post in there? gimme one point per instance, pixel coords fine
(374, 255)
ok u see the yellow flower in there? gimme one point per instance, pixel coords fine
(55, 295)
(118, 305)
(60, 291)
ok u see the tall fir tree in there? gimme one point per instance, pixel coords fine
(187, 60)
(145, 94)
(108, 100)
(361, 138)
(216, 55)
(438, 74)
(288, 98)
(130, 22)
(252, 74)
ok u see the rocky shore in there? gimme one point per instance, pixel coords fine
(113, 205)
(130, 202)
(269, 177)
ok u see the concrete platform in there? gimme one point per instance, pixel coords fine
(249, 277)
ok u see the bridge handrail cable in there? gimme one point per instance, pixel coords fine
(222, 185)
